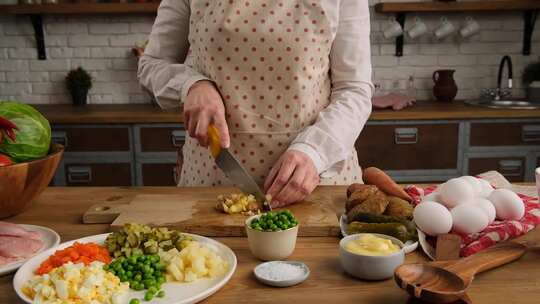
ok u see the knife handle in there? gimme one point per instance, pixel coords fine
(213, 140)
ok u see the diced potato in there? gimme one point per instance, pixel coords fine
(193, 262)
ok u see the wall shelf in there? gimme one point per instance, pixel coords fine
(79, 8)
(36, 12)
(401, 9)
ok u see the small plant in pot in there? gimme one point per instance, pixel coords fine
(78, 83)
(531, 80)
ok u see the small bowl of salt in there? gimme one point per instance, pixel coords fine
(281, 273)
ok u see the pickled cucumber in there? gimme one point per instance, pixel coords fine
(142, 239)
(396, 230)
(376, 218)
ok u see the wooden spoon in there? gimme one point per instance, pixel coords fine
(447, 281)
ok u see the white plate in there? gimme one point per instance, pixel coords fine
(175, 293)
(428, 249)
(283, 283)
(50, 239)
(410, 246)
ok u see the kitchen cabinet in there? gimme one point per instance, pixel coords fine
(387, 146)
(428, 143)
(157, 174)
(90, 138)
(512, 168)
(96, 174)
(505, 134)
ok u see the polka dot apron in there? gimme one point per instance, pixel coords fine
(270, 61)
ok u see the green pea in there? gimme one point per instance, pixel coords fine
(138, 277)
(152, 289)
(134, 301)
(161, 294)
(148, 296)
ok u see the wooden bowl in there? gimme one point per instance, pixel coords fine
(20, 184)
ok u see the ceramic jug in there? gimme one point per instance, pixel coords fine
(445, 88)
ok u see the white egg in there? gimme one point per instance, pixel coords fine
(508, 205)
(432, 197)
(432, 218)
(469, 218)
(474, 183)
(486, 206)
(455, 192)
(486, 188)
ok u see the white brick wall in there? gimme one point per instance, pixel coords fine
(102, 45)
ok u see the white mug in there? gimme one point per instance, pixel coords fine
(537, 175)
(418, 29)
(470, 28)
(445, 29)
(393, 29)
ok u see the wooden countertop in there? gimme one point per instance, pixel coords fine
(147, 113)
(61, 209)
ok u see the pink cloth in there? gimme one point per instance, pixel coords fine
(394, 101)
(498, 231)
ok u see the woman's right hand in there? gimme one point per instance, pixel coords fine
(203, 106)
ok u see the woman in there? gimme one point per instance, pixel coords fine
(287, 83)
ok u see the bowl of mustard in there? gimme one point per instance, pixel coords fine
(371, 256)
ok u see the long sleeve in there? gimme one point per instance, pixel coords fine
(330, 140)
(160, 68)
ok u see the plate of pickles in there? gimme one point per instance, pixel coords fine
(370, 210)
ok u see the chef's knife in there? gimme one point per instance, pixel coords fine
(234, 170)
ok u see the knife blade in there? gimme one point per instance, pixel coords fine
(234, 170)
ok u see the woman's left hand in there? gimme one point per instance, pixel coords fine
(292, 178)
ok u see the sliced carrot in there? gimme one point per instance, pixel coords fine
(76, 253)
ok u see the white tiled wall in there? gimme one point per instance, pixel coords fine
(102, 46)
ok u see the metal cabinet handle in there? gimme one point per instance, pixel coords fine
(406, 136)
(530, 133)
(511, 167)
(79, 174)
(178, 138)
(59, 137)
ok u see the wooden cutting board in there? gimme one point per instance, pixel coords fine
(190, 213)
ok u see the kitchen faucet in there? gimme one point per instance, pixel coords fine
(499, 92)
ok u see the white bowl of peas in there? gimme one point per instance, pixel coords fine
(272, 235)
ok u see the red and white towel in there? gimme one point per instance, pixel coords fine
(496, 232)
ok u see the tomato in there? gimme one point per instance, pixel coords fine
(5, 160)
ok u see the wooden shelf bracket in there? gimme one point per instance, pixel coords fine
(37, 23)
(529, 20)
(400, 18)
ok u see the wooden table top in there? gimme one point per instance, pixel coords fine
(147, 113)
(61, 209)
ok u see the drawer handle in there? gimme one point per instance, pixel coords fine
(511, 168)
(530, 133)
(59, 137)
(79, 174)
(178, 138)
(406, 136)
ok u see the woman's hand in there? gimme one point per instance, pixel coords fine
(292, 178)
(202, 107)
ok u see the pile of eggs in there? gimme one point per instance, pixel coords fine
(466, 205)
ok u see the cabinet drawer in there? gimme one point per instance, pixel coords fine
(92, 139)
(409, 147)
(505, 134)
(159, 174)
(161, 139)
(118, 174)
(512, 168)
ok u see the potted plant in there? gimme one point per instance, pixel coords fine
(78, 83)
(531, 80)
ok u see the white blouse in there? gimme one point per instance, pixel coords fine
(330, 140)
